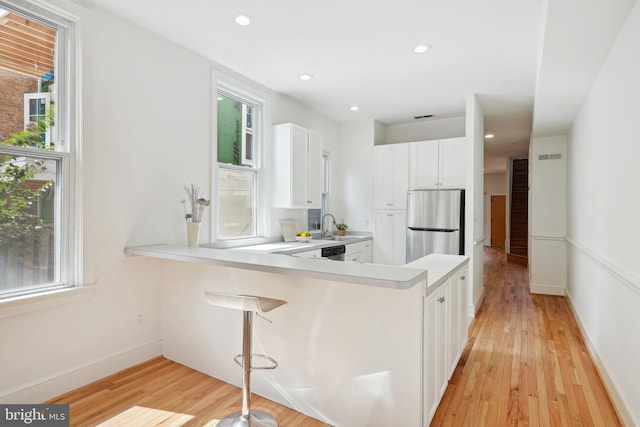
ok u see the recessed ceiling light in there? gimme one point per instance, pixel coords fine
(354, 108)
(305, 76)
(489, 136)
(422, 48)
(243, 20)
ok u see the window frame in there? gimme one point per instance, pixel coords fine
(259, 141)
(68, 154)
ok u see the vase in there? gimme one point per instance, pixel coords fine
(193, 234)
(342, 232)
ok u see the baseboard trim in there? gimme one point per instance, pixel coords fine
(618, 403)
(58, 383)
(473, 308)
(536, 288)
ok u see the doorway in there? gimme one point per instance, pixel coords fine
(498, 222)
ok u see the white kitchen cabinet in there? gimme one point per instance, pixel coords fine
(437, 163)
(459, 327)
(391, 176)
(297, 167)
(445, 335)
(435, 350)
(358, 252)
(367, 252)
(390, 237)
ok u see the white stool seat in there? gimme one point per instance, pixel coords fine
(244, 302)
(249, 304)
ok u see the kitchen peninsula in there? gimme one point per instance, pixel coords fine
(357, 344)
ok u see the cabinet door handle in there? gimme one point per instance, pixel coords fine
(309, 201)
(463, 277)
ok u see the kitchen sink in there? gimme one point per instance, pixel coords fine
(339, 238)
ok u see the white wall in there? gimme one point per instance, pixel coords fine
(474, 212)
(147, 109)
(427, 129)
(494, 184)
(354, 183)
(602, 216)
(547, 215)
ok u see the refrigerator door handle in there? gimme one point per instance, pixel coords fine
(441, 230)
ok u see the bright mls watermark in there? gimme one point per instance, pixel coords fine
(34, 415)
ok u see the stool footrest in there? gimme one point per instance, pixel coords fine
(274, 364)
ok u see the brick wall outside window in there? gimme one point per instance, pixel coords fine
(13, 86)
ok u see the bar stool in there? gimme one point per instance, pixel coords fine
(249, 304)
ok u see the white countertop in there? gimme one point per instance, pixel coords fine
(386, 276)
(294, 247)
(438, 266)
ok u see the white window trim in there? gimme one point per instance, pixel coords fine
(68, 135)
(241, 90)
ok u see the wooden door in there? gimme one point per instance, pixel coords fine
(498, 232)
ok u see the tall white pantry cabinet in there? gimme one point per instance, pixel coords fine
(390, 186)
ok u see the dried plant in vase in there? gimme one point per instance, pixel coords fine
(193, 218)
(198, 203)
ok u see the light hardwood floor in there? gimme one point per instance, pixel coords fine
(135, 398)
(525, 365)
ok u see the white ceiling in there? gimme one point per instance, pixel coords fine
(361, 53)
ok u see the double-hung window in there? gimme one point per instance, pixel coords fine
(36, 242)
(238, 166)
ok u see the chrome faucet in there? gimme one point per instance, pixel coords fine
(322, 230)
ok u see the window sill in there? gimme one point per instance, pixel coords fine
(25, 304)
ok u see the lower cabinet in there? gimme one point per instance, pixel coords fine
(390, 237)
(435, 380)
(359, 252)
(445, 335)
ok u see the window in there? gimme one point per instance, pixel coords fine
(314, 216)
(326, 182)
(238, 170)
(35, 152)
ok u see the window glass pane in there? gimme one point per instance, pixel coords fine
(313, 219)
(326, 171)
(27, 222)
(236, 203)
(235, 131)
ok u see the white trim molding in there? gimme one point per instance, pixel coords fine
(626, 277)
(58, 383)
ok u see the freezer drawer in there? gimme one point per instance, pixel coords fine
(421, 243)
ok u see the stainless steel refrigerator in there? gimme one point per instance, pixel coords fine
(435, 223)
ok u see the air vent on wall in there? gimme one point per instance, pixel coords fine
(556, 156)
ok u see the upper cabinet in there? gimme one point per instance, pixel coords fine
(437, 163)
(297, 167)
(391, 176)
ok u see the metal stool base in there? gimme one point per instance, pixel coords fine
(256, 419)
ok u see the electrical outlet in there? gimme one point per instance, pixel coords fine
(140, 318)
(366, 222)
